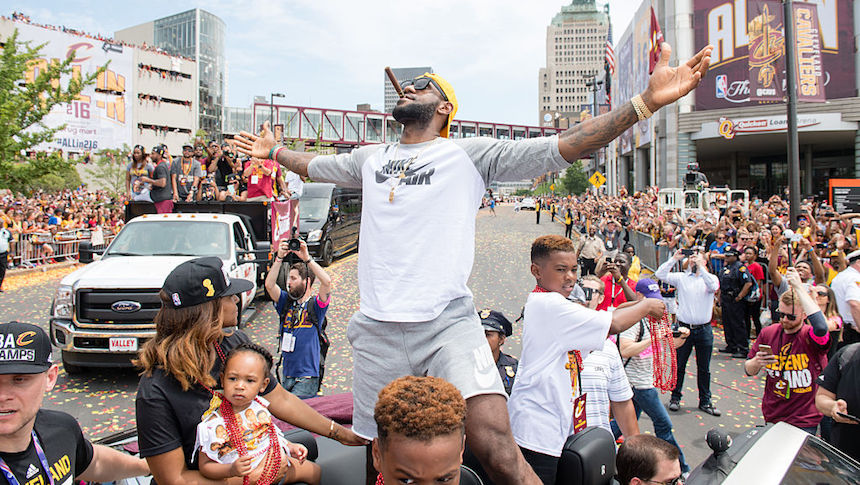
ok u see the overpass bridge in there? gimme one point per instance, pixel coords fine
(349, 129)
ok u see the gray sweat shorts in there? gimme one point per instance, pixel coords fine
(451, 346)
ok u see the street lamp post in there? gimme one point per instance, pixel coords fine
(594, 84)
(272, 108)
(791, 115)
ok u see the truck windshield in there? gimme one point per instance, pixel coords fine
(172, 238)
(313, 208)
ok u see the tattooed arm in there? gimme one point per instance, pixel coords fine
(666, 85)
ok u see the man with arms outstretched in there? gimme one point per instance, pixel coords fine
(417, 238)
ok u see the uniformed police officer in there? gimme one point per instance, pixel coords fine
(735, 284)
(496, 328)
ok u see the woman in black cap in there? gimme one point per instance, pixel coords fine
(181, 365)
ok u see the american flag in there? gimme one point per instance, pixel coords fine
(610, 57)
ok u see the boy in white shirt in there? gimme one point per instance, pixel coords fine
(556, 335)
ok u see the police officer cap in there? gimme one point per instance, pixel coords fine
(495, 322)
(853, 256)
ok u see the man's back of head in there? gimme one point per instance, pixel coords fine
(647, 459)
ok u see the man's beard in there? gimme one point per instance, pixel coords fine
(415, 114)
(298, 291)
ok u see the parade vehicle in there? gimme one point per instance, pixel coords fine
(695, 202)
(102, 313)
(329, 220)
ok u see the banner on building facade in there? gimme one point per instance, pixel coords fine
(807, 53)
(101, 115)
(727, 26)
(624, 84)
(766, 59)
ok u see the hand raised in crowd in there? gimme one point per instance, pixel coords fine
(655, 307)
(254, 145)
(678, 255)
(793, 278)
(667, 84)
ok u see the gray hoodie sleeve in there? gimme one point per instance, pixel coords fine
(343, 169)
(513, 160)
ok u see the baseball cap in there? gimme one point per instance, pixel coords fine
(495, 322)
(24, 349)
(200, 280)
(188, 146)
(731, 252)
(448, 89)
(159, 149)
(649, 288)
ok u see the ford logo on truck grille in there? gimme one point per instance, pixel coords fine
(125, 306)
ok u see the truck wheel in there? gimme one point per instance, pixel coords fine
(327, 255)
(71, 369)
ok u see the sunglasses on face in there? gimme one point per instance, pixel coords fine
(820, 293)
(675, 481)
(422, 83)
(778, 315)
(590, 293)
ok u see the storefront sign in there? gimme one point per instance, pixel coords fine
(726, 25)
(728, 128)
(845, 195)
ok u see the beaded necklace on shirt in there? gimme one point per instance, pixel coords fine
(574, 358)
(405, 168)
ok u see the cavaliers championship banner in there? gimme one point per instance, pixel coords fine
(100, 117)
(825, 39)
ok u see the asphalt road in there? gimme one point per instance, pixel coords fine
(103, 400)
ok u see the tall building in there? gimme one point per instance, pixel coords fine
(575, 48)
(199, 35)
(402, 74)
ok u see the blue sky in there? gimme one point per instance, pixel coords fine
(331, 53)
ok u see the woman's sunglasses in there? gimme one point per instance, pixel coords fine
(422, 83)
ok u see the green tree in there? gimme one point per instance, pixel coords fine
(110, 169)
(522, 192)
(575, 180)
(25, 102)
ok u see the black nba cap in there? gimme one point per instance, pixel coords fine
(24, 349)
(495, 322)
(200, 280)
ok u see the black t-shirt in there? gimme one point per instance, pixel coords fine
(158, 194)
(842, 377)
(224, 169)
(167, 416)
(67, 451)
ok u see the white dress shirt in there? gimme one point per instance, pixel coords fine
(695, 292)
(846, 286)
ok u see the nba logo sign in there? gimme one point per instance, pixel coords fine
(722, 86)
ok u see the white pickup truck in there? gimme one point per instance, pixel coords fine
(102, 313)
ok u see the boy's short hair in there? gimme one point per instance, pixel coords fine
(420, 408)
(544, 245)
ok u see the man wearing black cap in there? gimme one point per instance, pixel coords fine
(162, 190)
(420, 198)
(38, 446)
(496, 328)
(735, 283)
(846, 287)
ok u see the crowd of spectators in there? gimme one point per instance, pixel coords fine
(21, 17)
(783, 290)
(42, 224)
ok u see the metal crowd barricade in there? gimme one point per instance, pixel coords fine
(40, 247)
(646, 249)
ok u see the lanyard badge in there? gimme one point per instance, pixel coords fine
(10, 477)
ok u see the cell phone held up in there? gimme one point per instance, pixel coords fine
(766, 349)
(848, 417)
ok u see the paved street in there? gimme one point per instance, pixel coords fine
(103, 400)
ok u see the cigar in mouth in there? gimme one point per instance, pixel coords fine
(394, 81)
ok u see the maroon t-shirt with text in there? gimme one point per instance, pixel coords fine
(790, 385)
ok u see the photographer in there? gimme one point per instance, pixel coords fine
(301, 317)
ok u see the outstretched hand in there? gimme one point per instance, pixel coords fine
(668, 84)
(256, 146)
